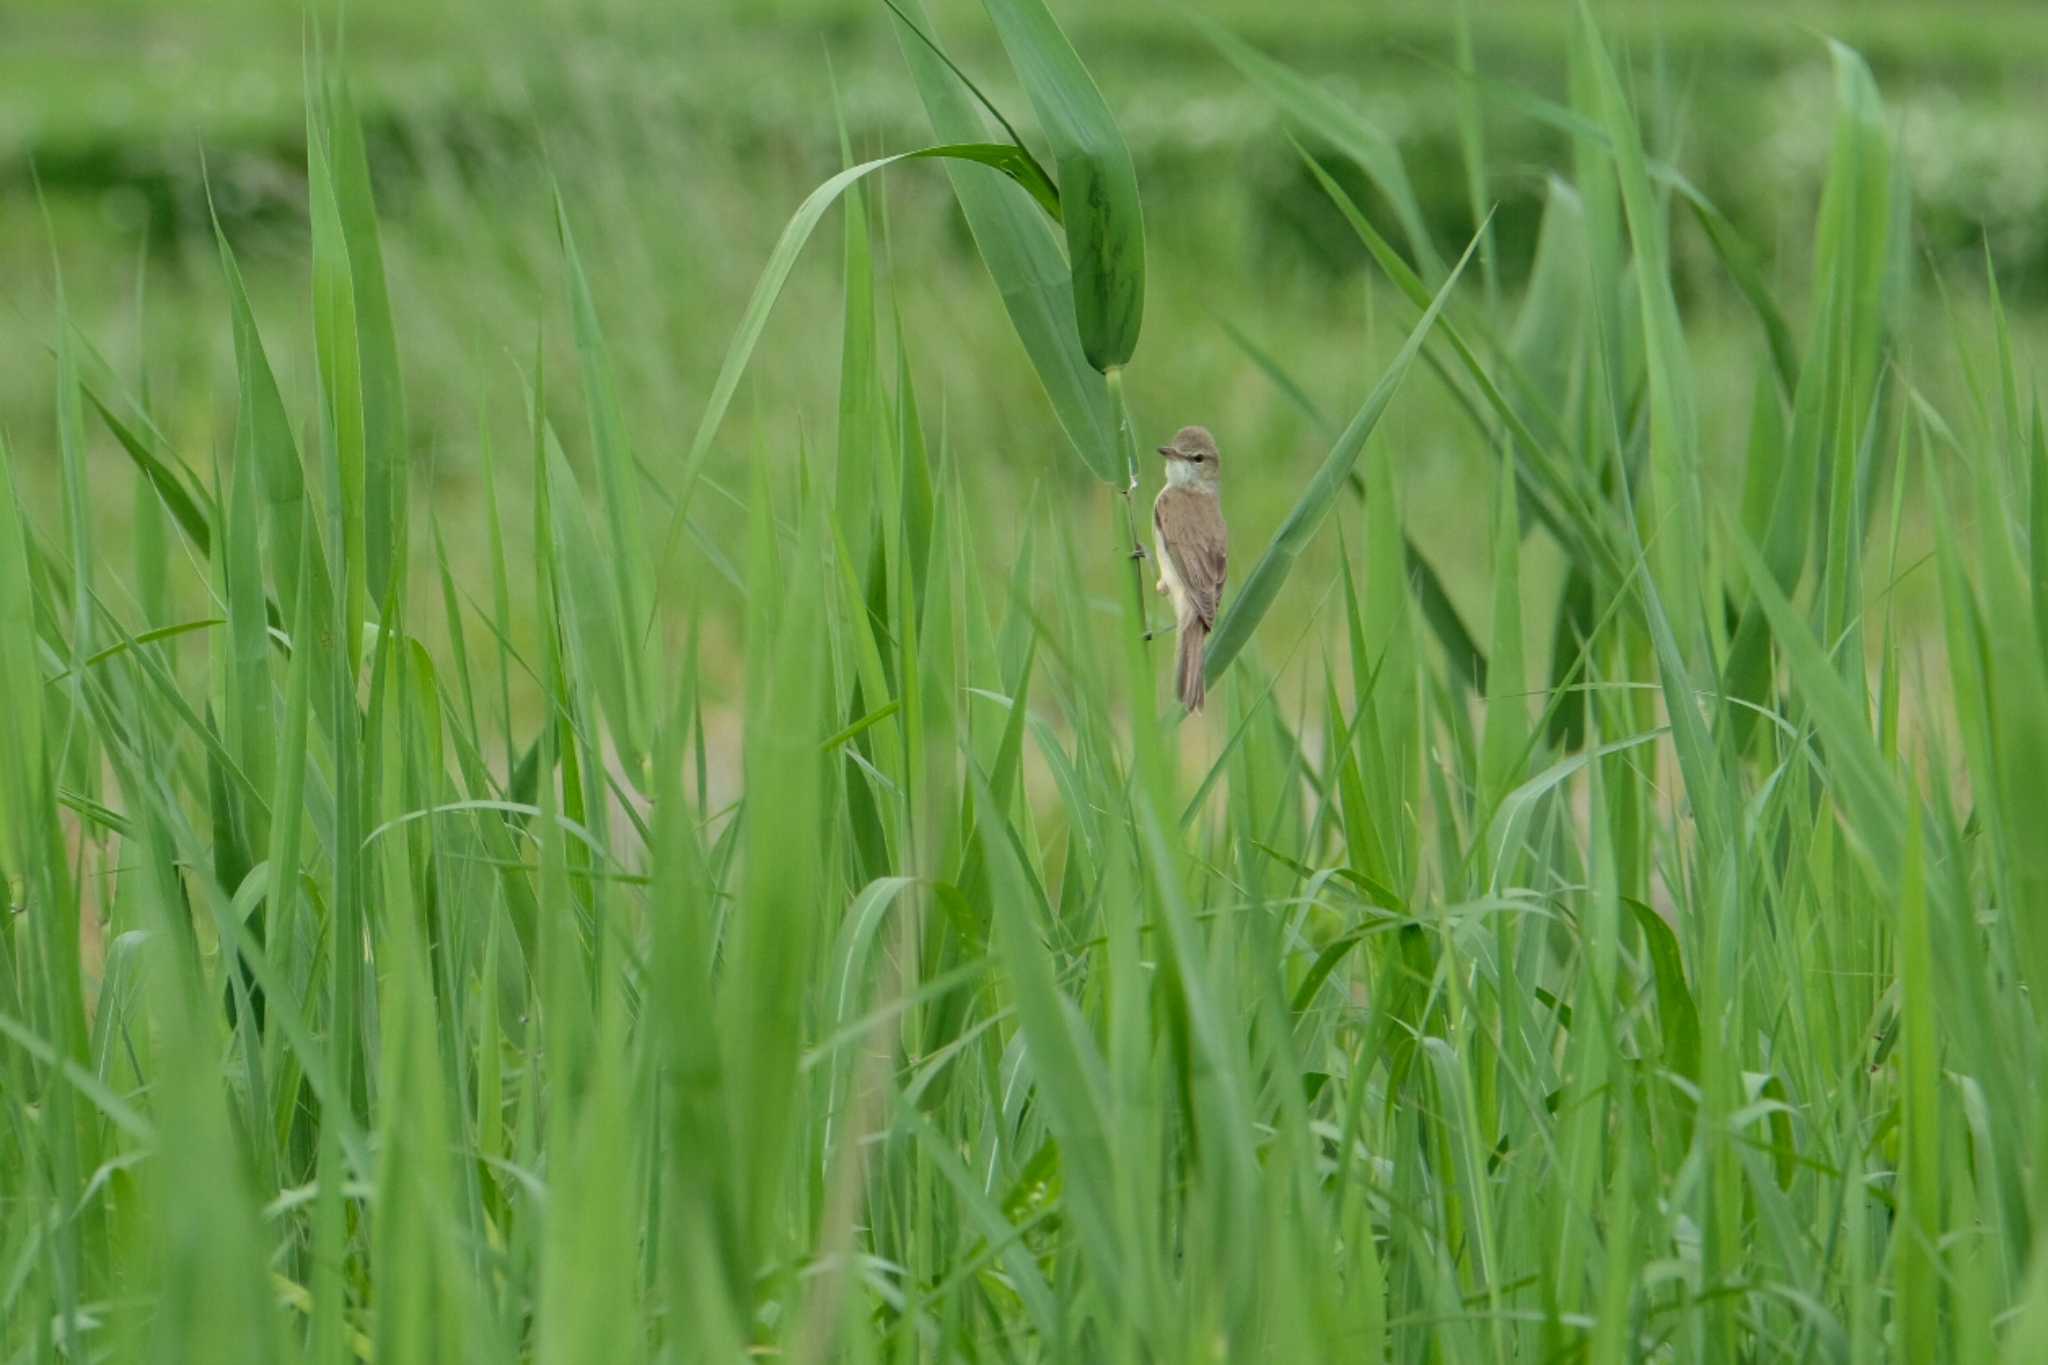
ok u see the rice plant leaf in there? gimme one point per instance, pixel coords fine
(21, 684)
(1507, 715)
(1859, 780)
(1677, 1015)
(1833, 398)
(996, 1230)
(586, 596)
(626, 552)
(1262, 586)
(383, 393)
(1098, 185)
(187, 507)
(1472, 144)
(1070, 1072)
(1566, 493)
(1544, 339)
(247, 714)
(1462, 654)
(863, 725)
(1023, 258)
(96, 1091)
(1918, 1271)
(1737, 255)
(1740, 260)
(1670, 499)
(1327, 961)
(1512, 818)
(1461, 651)
(768, 288)
(263, 434)
(336, 333)
(2037, 521)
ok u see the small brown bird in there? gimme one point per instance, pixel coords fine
(1193, 550)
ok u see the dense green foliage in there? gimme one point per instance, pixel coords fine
(403, 960)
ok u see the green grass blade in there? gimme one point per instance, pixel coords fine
(1262, 586)
(769, 287)
(1105, 225)
(632, 598)
(1023, 259)
(1324, 115)
(385, 460)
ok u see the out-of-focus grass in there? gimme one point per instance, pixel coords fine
(696, 129)
(443, 926)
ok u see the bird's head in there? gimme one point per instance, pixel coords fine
(1191, 458)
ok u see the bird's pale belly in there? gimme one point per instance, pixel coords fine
(1176, 590)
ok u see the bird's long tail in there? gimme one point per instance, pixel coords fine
(1189, 683)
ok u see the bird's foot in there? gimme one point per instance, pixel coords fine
(1138, 552)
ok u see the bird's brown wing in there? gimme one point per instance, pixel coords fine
(1190, 526)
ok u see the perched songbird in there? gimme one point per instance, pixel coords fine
(1193, 550)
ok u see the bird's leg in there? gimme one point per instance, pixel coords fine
(1137, 555)
(1137, 546)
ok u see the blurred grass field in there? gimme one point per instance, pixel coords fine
(509, 858)
(694, 130)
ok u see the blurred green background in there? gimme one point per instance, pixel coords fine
(685, 134)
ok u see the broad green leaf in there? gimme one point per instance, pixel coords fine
(1098, 186)
(1022, 255)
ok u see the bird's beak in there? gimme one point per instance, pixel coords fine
(1169, 452)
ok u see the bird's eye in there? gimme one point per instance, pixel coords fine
(1196, 458)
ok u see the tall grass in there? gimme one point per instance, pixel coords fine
(1407, 1007)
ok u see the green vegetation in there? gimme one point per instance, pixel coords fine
(523, 840)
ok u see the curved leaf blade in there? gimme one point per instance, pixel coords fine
(1269, 575)
(1022, 255)
(769, 288)
(1099, 186)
